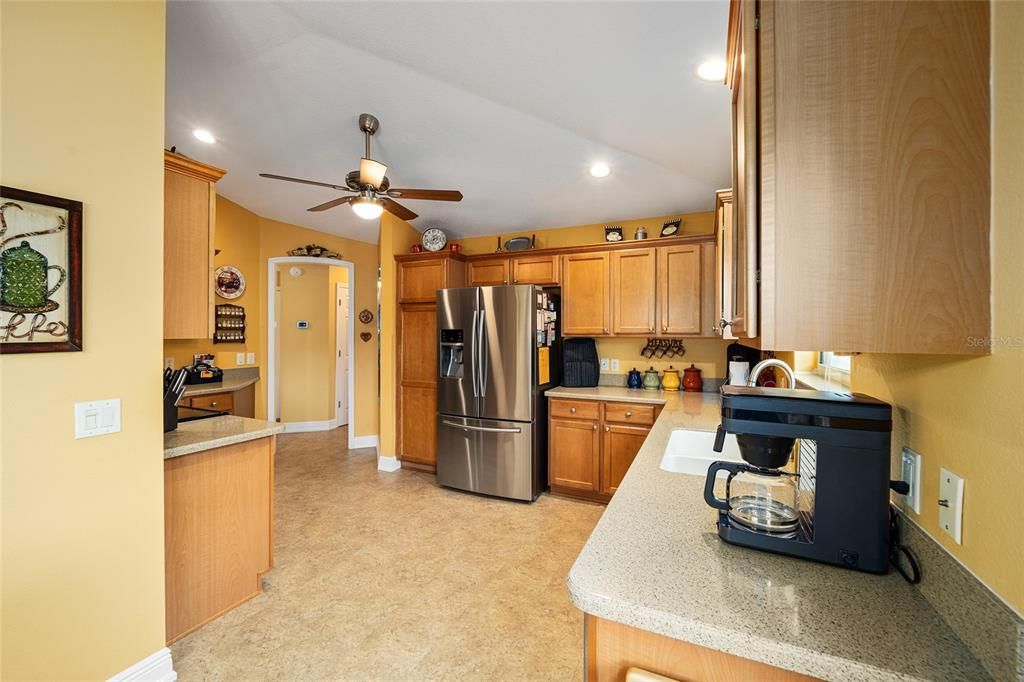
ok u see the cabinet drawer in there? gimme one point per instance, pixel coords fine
(575, 409)
(214, 401)
(630, 413)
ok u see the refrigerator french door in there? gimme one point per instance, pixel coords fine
(491, 426)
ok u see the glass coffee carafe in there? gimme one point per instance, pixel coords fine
(760, 498)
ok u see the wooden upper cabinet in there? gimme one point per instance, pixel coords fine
(489, 272)
(189, 215)
(724, 265)
(633, 291)
(680, 284)
(586, 290)
(419, 278)
(542, 270)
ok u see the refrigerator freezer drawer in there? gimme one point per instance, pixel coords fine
(486, 456)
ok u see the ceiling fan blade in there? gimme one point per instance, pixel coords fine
(371, 172)
(304, 182)
(429, 194)
(395, 208)
(332, 203)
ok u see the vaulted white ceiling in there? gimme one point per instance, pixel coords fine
(509, 102)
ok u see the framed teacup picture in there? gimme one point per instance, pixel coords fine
(40, 272)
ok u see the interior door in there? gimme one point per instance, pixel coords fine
(341, 338)
(507, 342)
(457, 349)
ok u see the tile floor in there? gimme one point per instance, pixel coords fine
(385, 576)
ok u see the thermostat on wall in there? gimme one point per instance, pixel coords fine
(302, 324)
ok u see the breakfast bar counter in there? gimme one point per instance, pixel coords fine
(215, 432)
(655, 563)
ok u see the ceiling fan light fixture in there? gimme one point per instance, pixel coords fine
(367, 208)
(371, 172)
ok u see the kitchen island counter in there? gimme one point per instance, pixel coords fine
(215, 432)
(655, 563)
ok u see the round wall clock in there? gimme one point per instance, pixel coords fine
(229, 282)
(434, 239)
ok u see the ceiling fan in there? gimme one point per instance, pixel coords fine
(372, 191)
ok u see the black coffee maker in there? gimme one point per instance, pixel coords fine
(832, 503)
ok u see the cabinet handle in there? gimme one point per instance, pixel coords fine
(629, 414)
(595, 427)
(573, 410)
(504, 281)
(606, 330)
(213, 404)
(607, 428)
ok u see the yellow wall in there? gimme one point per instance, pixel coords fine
(965, 413)
(247, 240)
(708, 355)
(307, 365)
(575, 235)
(396, 236)
(82, 549)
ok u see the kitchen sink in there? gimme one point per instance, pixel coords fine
(690, 452)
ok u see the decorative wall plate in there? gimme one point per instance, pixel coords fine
(365, 316)
(365, 336)
(229, 282)
(670, 228)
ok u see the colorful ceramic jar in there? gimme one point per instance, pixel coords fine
(635, 379)
(692, 380)
(652, 382)
(670, 379)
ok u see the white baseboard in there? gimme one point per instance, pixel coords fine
(388, 463)
(303, 427)
(356, 442)
(157, 667)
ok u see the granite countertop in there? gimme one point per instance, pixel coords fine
(231, 382)
(215, 432)
(655, 562)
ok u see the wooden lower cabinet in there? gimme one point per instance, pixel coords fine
(613, 648)
(218, 531)
(224, 402)
(417, 408)
(591, 444)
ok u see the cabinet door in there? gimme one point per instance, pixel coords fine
(574, 447)
(621, 443)
(633, 291)
(418, 420)
(417, 346)
(679, 289)
(188, 257)
(418, 281)
(724, 264)
(743, 80)
(541, 270)
(585, 294)
(222, 402)
(490, 272)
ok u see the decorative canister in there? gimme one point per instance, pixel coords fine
(635, 379)
(23, 279)
(670, 379)
(651, 380)
(692, 380)
(641, 233)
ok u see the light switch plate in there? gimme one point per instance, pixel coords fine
(250, 358)
(615, 364)
(951, 504)
(604, 364)
(239, 358)
(97, 418)
(910, 471)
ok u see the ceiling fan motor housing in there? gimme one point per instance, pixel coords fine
(352, 180)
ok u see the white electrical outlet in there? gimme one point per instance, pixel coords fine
(169, 363)
(239, 358)
(604, 364)
(910, 471)
(615, 364)
(951, 504)
(250, 358)
(97, 418)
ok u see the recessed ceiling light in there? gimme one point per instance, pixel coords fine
(600, 170)
(712, 70)
(204, 135)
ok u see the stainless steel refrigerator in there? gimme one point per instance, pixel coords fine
(498, 351)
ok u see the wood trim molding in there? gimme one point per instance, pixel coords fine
(561, 250)
(191, 167)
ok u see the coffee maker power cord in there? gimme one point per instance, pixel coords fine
(901, 554)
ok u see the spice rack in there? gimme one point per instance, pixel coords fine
(230, 324)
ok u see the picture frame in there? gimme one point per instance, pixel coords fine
(40, 242)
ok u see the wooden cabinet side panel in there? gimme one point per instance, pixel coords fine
(218, 529)
(879, 136)
(573, 454)
(612, 648)
(708, 319)
(585, 294)
(188, 284)
(633, 293)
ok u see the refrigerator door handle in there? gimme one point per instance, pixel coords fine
(482, 355)
(474, 354)
(488, 429)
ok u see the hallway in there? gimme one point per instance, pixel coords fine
(385, 576)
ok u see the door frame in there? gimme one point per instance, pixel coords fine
(342, 335)
(272, 397)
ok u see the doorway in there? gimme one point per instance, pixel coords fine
(340, 296)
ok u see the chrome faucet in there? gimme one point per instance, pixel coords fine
(772, 362)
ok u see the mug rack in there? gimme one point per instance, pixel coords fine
(663, 348)
(230, 324)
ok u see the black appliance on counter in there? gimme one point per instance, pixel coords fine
(833, 505)
(580, 364)
(203, 373)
